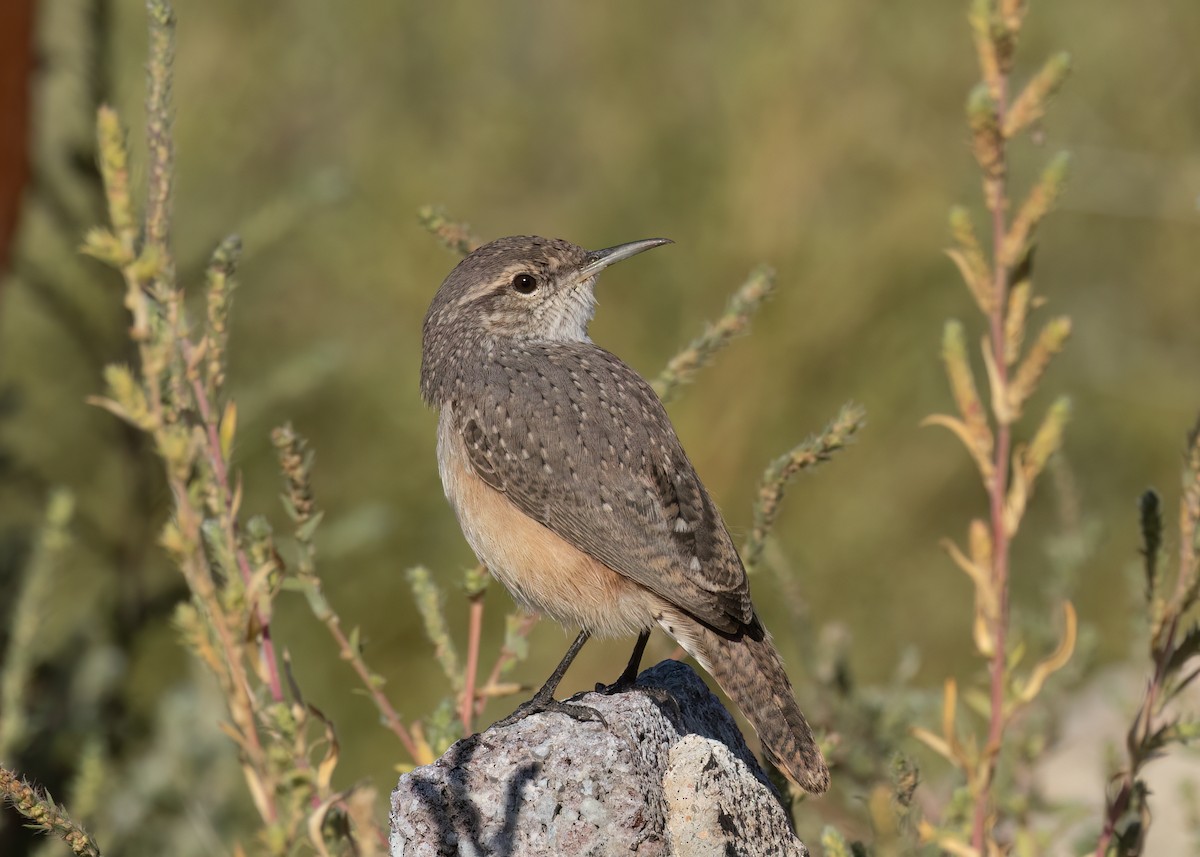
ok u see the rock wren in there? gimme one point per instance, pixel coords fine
(571, 486)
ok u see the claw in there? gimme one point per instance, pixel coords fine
(549, 705)
(619, 686)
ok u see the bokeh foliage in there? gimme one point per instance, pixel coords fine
(823, 138)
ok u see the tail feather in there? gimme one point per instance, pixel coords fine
(750, 671)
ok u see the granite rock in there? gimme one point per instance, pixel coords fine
(667, 774)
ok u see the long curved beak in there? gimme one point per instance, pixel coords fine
(598, 260)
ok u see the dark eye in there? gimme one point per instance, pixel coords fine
(524, 284)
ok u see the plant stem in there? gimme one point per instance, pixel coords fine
(221, 473)
(505, 657)
(1115, 810)
(474, 634)
(44, 814)
(1162, 645)
(996, 193)
(349, 653)
(1119, 805)
(1139, 734)
(238, 692)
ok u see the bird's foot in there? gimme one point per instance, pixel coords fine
(549, 705)
(625, 684)
(621, 685)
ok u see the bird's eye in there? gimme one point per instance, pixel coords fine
(524, 284)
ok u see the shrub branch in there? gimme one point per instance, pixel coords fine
(1126, 814)
(44, 814)
(1003, 291)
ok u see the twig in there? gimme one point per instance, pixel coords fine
(452, 234)
(216, 459)
(998, 490)
(1145, 738)
(429, 600)
(29, 611)
(474, 635)
(294, 461)
(1003, 291)
(370, 681)
(1189, 522)
(507, 656)
(44, 814)
(698, 353)
(155, 304)
(809, 453)
(234, 681)
(161, 146)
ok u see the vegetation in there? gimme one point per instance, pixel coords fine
(185, 416)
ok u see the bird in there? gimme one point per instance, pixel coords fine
(571, 486)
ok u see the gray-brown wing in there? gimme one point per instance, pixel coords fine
(579, 442)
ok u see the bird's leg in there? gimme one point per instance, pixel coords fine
(629, 676)
(544, 701)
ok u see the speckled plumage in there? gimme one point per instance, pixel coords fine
(571, 485)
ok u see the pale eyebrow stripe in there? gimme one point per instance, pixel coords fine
(484, 288)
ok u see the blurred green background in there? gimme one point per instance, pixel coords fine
(825, 139)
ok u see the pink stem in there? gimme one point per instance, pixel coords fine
(997, 496)
(221, 472)
(474, 634)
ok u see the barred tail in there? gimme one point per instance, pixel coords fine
(749, 670)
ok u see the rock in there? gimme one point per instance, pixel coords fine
(714, 809)
(668, 775)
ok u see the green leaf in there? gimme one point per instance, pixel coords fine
(476, 580)
(306, 531)
(514, 641)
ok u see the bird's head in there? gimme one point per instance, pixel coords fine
(525, 287)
